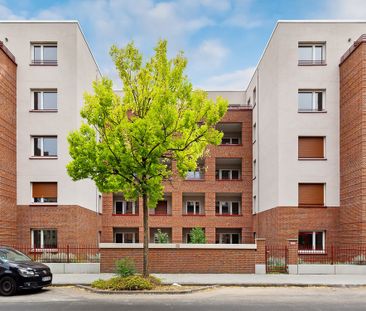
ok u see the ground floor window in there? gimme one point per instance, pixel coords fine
(125, 237)
(227, 238)
(312, 240)
(44, 238)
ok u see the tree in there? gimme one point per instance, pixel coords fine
(127, 142)
(197, 236)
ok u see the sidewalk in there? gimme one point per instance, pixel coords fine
(229, 279)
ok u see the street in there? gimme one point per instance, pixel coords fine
(224, 298)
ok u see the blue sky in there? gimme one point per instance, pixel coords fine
(223, 39)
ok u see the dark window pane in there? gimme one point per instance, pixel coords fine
(37, 52)
(225, 239)
(235, 174)
(50, 146)
(319, 96)
(128, 238)
(50, 53)
(37, 100)
(225, 208)
(235, 238)
(129, 207)
(37, 238)
(49, 100)
(235, 208)
(119, 238)
(37, 146)
(235, 141)
(319, 240)
(225, 174)
(190, 207)
(217, 207)
(305, 240)
(50, 238)
(119, 207)
(225, 141)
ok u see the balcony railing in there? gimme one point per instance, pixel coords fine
(312, 62)
(52, 62)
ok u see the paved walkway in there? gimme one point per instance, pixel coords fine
(229, 279)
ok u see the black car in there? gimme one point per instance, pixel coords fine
(18, 271)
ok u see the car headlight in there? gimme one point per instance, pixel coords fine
(26, 272)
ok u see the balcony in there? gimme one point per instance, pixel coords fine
(123, 207)
(232, 133)
(163, 207)
(228, 236)
(193, 204)
(125, 235)
(165, 235)
(228, 168)
(199, 173)
(228, 204)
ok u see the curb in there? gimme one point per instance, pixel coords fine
(143, 292)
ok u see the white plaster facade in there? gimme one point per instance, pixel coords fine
(76, 69)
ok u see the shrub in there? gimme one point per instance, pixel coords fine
(132, 282)
(154, 280)
(137, 282)
(161, 237)
(125, 267)
(197, 236)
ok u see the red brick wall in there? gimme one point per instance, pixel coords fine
(281, 223)
(209, 186)
(8, 210)
(75, 225)
(352, 222)
(166, 260)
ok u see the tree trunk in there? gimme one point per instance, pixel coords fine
(145, 272)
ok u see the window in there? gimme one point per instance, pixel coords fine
(228, 238)
(44, 192)
(125, 237)
(44, 54)
(199, 173)
(193, 207)
(311, 101)
(228, 174)
(254, 168)
(161, 208)
(311, 53)
(44, 146)
(124, 207)
(230, 141)
(44, 238)
(227, 207)
(311, 147)
(312, 241)
(254, 96)
(311, 194)
(254, 207)
(44, 100)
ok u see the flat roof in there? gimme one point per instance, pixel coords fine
(7, 52)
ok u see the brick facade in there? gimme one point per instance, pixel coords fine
(352, 221)
(209, 187)
(8, 210)
(281, 223)
(75, 225)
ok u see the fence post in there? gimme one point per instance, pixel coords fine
(260, 256)
(293, 255)
(332, 254)
(68, 253)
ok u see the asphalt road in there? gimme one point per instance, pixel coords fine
(226, 299)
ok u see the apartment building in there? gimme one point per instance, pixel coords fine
(55, 68)
(290, 164)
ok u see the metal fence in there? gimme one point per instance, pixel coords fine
(276, 259)
(351, 255)
(62, 254)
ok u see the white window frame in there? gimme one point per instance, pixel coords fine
(42, 199)
(124, 207)
(231, 237)
(42, 45)
(313, 98)
(230, 207)
(195, 175)
(313, 248)
(230, 173)
(42, 150)
(123, 237)
(41, 104)
(195, 212)
(42, 238)
(231, 140)
(313, 47)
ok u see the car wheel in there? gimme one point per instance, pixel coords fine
(8, 286)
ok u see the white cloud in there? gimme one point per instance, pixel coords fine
(7, 14)
(210, 54)
(230, 81)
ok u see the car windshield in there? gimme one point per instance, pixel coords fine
(7, 254)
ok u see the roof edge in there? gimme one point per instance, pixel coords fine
(7, 52)
(353, 47)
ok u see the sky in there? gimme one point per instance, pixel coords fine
(222, 39)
